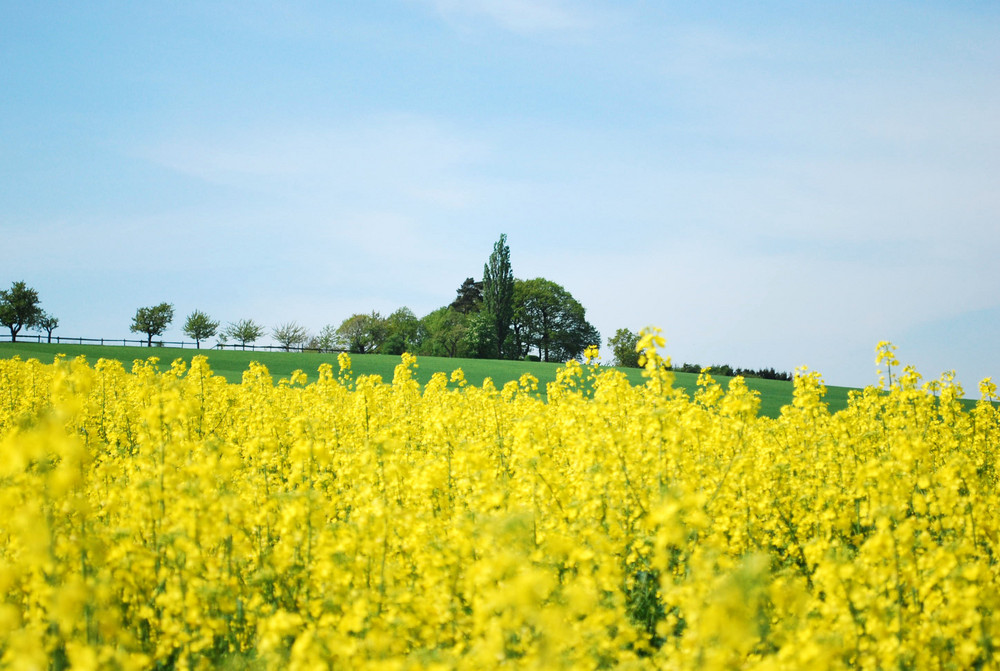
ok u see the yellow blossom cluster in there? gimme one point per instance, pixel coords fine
(164, 518)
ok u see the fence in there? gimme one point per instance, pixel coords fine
(124, 342)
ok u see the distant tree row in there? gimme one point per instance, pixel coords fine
(624, 342)
(502, 317)
(730, 371)
(496, 317)
(21, 308)
(546, 323)
(153, 321)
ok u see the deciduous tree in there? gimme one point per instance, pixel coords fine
(290, 334)
(244, 331)
(498, 293)
(402, 332)
(622, 346)
(553, 321)
(445, 333)
(326, 340)
(480, 336)
(47, 323)
(199, 326)
(152, 321)
(362, 334)
(19, 308)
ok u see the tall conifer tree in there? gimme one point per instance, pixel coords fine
(498, 292)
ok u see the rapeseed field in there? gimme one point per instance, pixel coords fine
(165, 518)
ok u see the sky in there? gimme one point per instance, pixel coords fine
(773, 184)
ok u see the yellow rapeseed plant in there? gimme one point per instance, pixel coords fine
(164, 518)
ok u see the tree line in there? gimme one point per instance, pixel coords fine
(497, 316)
(623, 345)
(735, 371)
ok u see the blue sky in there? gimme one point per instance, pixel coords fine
(773, 184)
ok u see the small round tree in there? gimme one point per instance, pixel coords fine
(623, 347)
(47, 323)
(199, 326)
(290, 334)
(19, 308)
(152, 321)
(244, 331)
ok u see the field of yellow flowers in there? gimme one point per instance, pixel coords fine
(164, 518)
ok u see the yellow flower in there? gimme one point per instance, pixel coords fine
(366, 524)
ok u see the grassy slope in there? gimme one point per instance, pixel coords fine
(231, 365)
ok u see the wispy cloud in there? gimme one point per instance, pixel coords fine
(382, 159)
(519, 16)
(381, 203)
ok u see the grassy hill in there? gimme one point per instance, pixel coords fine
(231, 364)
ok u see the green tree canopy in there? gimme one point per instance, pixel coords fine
(402, 332)
(469, 298)
(622, 346)
(244, 331)
(361, 333)
(551, 320)
(445, 333)
(498, 294)
(199, 326)
(19, 308)
(480, 335)
(152, 321)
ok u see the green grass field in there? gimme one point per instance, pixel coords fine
(231, 364)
